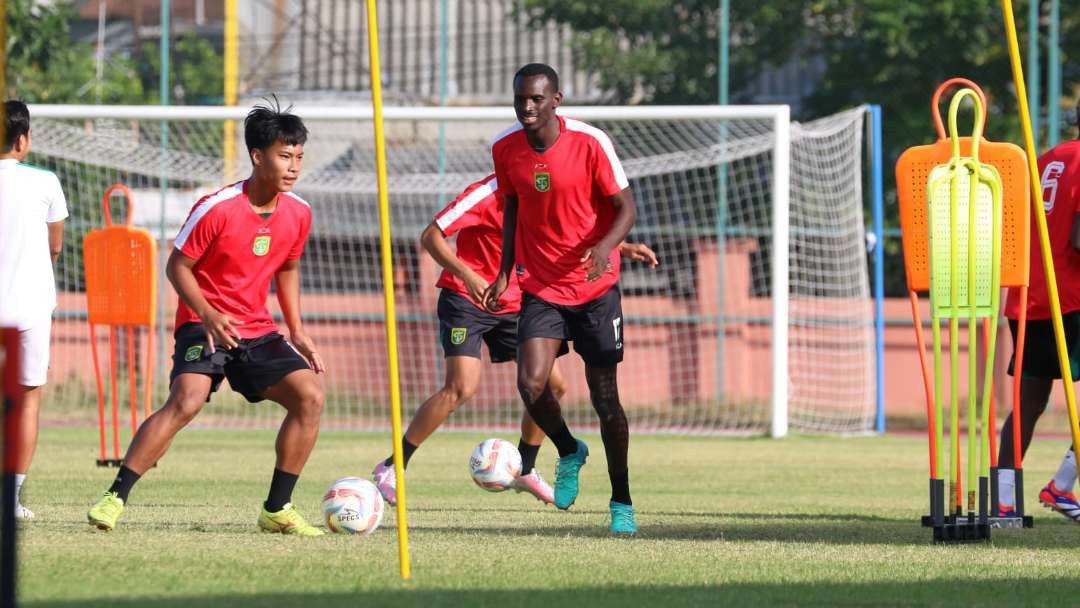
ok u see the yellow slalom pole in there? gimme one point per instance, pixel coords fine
(388, 286)
(231, 70)
(1040, 221)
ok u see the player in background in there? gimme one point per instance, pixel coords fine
(233, 243)
(568, 206)
(1059, 169)
(475, 217)
(32, 212)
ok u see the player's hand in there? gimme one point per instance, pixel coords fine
(495, 291)
(306, 346)
(219, 330)
(476, 286)
(595, 263)
(639, 252)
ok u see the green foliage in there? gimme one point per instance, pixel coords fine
(44, 64)
(657, 51)
(196, 71)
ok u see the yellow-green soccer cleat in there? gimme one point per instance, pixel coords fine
(287, 521)
(104, 514)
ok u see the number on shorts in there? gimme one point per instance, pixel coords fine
(616, 323)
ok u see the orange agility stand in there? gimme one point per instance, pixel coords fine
(121, 292)
(913, 177)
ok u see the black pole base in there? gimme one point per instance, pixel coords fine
(110, 462)
(1017, 522)
(962, 530)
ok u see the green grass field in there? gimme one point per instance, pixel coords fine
(807, 521)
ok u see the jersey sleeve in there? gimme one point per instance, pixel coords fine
(301, 240)
(199, 231)
(468, 208)
(608, 174)
(506, 187)
(57, 202)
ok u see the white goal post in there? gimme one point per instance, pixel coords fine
(772, 208)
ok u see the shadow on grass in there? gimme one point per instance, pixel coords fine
(936, 592)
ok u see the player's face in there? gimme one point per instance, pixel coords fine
(535, 100)
(279, 164)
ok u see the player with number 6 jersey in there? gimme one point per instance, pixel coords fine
(1059, 170)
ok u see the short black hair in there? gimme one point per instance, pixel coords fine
(538, 69)
(16, 122)
(267, 123)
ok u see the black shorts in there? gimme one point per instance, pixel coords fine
(594, 327)
(252, 367)
(463, 326)
(1040, 347)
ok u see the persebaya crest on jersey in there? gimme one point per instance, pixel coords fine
(261, 246)
(542, 181)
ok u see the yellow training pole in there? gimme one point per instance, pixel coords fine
(231, 69)
(388, 286)
(1040, 221)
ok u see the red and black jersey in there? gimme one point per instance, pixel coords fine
(564, 207)
(1060, 174)
(237, 252)
(476, 217)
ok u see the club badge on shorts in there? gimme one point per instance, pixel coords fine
(193, 353)
(542, 181)
(261, 246)
(457, 335)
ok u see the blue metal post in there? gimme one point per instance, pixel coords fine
(877, 196)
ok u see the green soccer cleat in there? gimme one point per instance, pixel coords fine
(566, 476)
(622, 519)
(104, 514)
(287, 521)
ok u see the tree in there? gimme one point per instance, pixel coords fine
(657, 51)
(196, 71)
(44, 64)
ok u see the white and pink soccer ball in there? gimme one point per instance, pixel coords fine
(353, 505)
(494, 464)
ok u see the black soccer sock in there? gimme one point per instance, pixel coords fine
(407, 450)
(620, 487)
(281, 487)
(563, 440)
(547, 414)
(528, 456)
(614, 429)
(125, 479)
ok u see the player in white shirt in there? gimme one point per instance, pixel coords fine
(32, 212)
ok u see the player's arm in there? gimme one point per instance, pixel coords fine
(435, 243)
(506, 266)
(595, 259)
(639, 252)
(218, 326)
(56, 239)
(288, 294)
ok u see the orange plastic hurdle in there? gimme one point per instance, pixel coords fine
(121, 291)
(912, 172)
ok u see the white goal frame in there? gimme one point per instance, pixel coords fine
(780, 115)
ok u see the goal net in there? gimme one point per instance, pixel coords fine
(758, 317)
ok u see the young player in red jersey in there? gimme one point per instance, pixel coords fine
(1060, 175)
(568, 206)
(233, 243)
(475, 217)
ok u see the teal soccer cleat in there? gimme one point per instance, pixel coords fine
(622, 519)
(566, 476)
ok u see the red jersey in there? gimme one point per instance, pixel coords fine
(1060, 175)
(476, 216)
(237, 252)
(563, 208)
